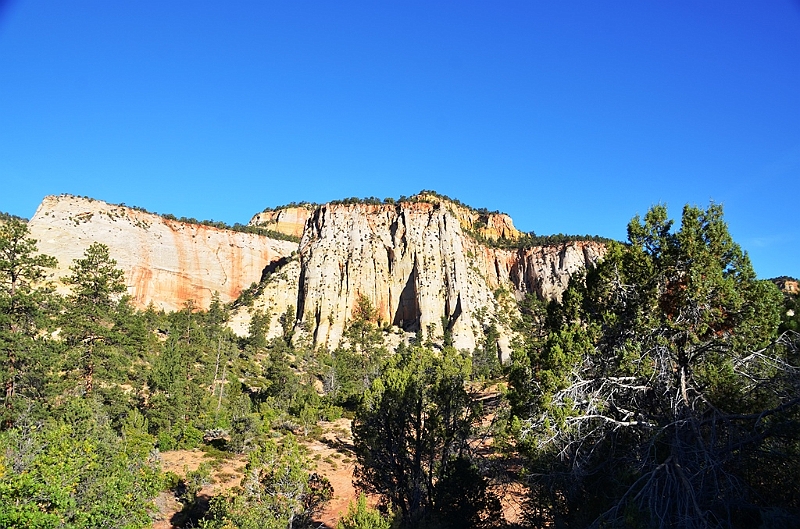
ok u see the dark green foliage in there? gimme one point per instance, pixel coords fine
(24, 304)
(258, 230)
(790, 316)
(307, 205)
(7, 217)
(257, 332)
(248, 295)
(657, 392)
(288, 320)
(282, 382)
(186, 491)
(531, 338)
(527, 240)
(96, 281)
(411, 428)
(659, 388)
(353, 365)
(344, 381)
(279, 491)
(530, 240)
(243, 228)
(361, 516)
(245, 425)
(194, 376)
(486, 359)
(373, 201)
(462, 499)
(423, 195)
(113, 383)
(447, 332)
(87, 323)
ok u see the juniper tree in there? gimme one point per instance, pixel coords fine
(662, 386)
(411, 436)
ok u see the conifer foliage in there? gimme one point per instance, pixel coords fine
(662, 395)
(411, 436)
(24, 300)
(662, 390)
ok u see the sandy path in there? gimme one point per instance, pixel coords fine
(336, 464)
(331, 456)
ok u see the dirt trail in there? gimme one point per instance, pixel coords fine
(331, 457)
(225, 475)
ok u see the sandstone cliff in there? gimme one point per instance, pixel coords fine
(289, 220)
(165, 262)
(420, 262)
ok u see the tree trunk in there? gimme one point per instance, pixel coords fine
(89, 377)
(12, 360)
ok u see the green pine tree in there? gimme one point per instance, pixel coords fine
(87, 323)
(26, 300)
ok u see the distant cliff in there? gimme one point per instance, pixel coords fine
(426, 263)
(166, 262)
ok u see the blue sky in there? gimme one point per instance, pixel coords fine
(570, 116)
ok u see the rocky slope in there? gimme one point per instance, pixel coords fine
(165, 262)
(419, 262)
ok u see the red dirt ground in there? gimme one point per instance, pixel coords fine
(332, 458)
(336, 464)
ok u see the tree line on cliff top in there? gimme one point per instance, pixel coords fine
(526, 240)
(662, 390)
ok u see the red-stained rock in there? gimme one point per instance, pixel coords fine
(165, 262)
(419, 262)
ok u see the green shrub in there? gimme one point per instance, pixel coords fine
(361, 516)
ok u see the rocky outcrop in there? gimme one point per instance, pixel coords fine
(491, 226)
(420, 267)
(426, 264)
(289, 220)
(542, 270)
(166, 262)
(787, 285)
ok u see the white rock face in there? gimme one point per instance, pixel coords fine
(289, 221)
(279, 295)
(416, 261)
(543, 270)
(409, 261)
(165, 262)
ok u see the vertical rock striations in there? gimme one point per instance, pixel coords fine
(426, 264)
(288, 220)
(166, 262)
(419, 265)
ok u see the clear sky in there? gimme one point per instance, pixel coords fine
(571, 116)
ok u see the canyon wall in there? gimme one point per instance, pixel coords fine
(166, 262)
(420, 262)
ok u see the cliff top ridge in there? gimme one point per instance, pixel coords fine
(286, 222)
